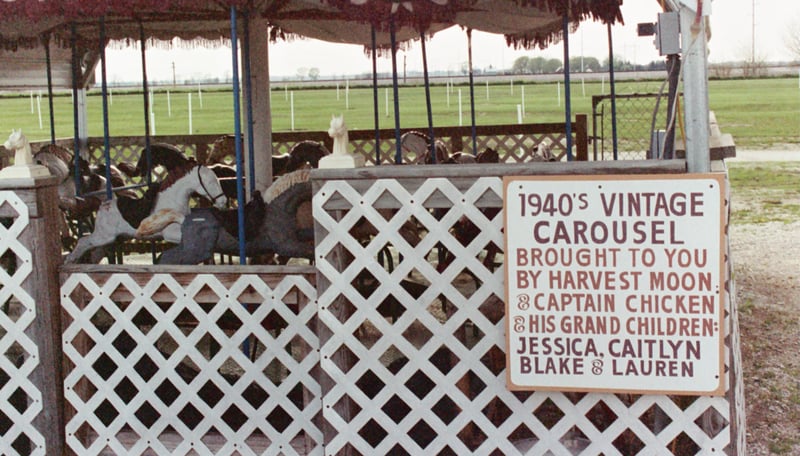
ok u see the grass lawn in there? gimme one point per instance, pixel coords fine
(758, 113)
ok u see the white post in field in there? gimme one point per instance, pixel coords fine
(39, 110)
(460, 112)
(291, 109)
(558, 90)
(487, 90)
(190, 112)
(519, 114)
(169, 104)
(33, 110)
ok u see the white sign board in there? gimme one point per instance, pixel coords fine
(615, 283)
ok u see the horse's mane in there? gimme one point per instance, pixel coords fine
(62, 153)
(285, 182)
(177, 173)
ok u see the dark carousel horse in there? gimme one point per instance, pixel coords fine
(165, 155)
(302, 154)
(279, 223)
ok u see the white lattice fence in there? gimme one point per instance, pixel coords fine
(414, 349)
(217, 361)
(20, 399)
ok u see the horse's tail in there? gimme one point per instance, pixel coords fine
(156, 222)
(284, 183)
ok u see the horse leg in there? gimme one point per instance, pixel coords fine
(109, 224)
(172, 233)
(87, 243)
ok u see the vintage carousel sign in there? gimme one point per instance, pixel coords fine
(615, 283)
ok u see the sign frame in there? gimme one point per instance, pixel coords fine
(561, 213)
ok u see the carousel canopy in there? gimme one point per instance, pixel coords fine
(26, 24)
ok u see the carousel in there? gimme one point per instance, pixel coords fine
(383, 301)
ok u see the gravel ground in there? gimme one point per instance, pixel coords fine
(766, 258)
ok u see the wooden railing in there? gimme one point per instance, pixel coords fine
(515, 143)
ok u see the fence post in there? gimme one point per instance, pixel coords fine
(39, 280)
(581, 130)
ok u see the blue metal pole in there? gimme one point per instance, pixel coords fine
(567, 91)
(147, 153)
(104, 85)
(472, 94)
(75, 116)
(145, 90)
(375, 97)
(251, 176)
(237, 132)
(398, 156)
(48, 62)
(432, 145)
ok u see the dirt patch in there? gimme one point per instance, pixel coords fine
(766, 258)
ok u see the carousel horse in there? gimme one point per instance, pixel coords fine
(133, 217)
(303, 154)
(279, 223)
(161, 154)
(77, 211)
(417, 144)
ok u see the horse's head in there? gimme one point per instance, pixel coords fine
(16, 140)
(210, 188)
(337, 127)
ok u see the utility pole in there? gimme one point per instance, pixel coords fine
(753, 34)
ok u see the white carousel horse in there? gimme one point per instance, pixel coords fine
(340, 157)
(24, 165)
(114, 217)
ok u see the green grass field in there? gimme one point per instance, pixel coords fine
(758, 113)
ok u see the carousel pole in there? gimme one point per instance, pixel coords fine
(75, 115)
(145, 92)
(375, 97)
(104, 91)
(567, 91)
(398, 156)
(472, 93)
(251, 177)
(237, 133)
(48, 61)
(432, 145)
(612, 84)
(147, 153)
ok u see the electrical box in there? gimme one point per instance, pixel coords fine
(668, 33)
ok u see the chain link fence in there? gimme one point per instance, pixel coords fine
(635, 123)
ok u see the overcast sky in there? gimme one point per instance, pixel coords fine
(733, 26)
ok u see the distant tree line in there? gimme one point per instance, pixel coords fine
(541, 65)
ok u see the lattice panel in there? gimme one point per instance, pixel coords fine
(415, 350)
(511, 148)
(181, 363)
(20, 400)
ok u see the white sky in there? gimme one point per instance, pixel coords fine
(732, 24)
